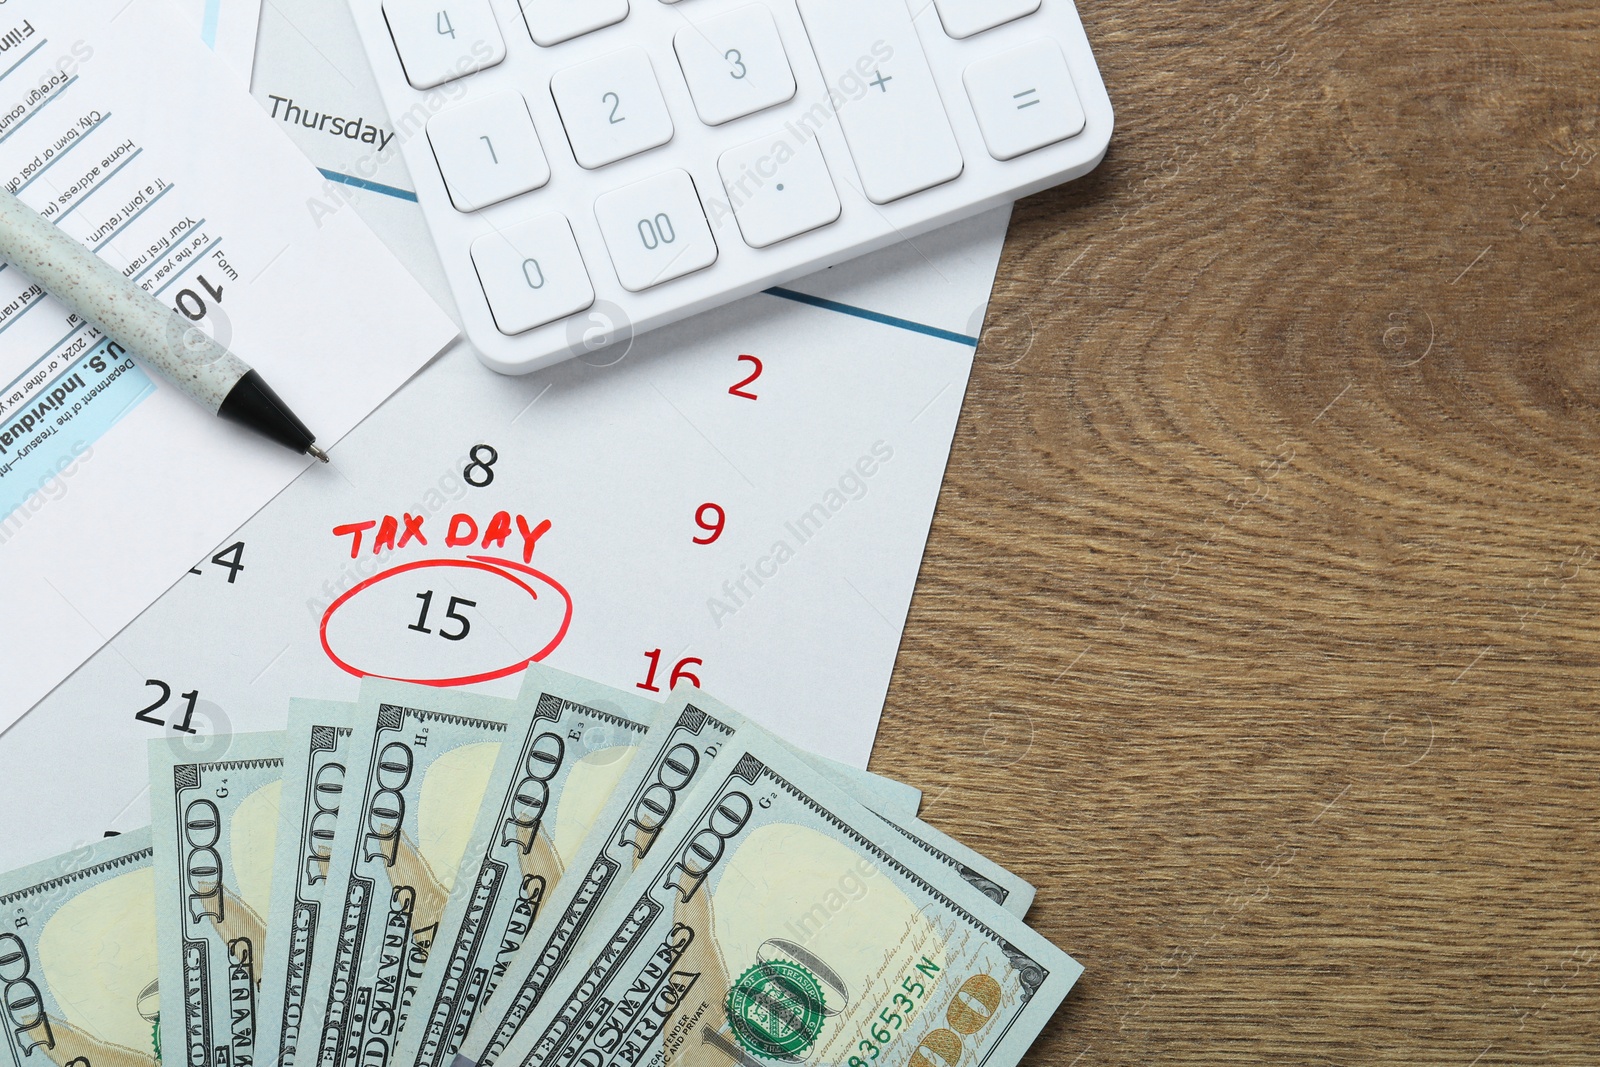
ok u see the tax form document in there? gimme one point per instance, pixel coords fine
(123, 129)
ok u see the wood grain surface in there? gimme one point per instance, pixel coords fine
(1257, 627)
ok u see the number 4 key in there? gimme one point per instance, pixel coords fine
(442, 40)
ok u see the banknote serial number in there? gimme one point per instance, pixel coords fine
(971, 1009)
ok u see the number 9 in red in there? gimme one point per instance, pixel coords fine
(712, 519)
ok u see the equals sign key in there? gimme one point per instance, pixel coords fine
(1024, 99)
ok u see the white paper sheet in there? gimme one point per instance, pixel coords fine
(130, 135)
(839, 459)
(227, 27)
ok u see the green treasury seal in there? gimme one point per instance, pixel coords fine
(776, 1009)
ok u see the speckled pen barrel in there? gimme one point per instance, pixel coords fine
(153, 333)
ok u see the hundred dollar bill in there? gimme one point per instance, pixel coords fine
(317, 749)
(683, 742)
(890, 801)
(557, 769)
(214, 828)
(78, 971)
(784, 921)
(419, 762)
(884, 795)
(974, 868)
(689, 735)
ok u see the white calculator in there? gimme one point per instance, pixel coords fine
(592, 169)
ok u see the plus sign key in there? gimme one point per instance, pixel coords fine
(884, 94)
(1025, 99)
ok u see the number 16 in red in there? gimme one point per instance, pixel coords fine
(680, 672)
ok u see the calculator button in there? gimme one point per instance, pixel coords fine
(1025, 99)
(656, 230)
(735, 64)
(488, 151)
(967, 18)
(442, 40)
(552, 21)
(612, 107)
(777, 191)
(884, 96)
(532, 274)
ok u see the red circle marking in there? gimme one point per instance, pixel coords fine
(499, 567)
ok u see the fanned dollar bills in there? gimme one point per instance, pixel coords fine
(780, 922)
(580, 876)
(684, 742)
(420, 761)
(558, 769)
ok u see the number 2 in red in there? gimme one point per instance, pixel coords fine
(739, 389)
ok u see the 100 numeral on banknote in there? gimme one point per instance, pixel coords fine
(215, 826)
(78, 971)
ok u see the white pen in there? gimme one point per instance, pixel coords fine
(150, 331)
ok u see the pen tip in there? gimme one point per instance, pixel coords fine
(317, 453)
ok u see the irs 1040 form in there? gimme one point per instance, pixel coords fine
(122, 129)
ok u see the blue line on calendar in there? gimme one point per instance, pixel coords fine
(371, 187)
(873, 316)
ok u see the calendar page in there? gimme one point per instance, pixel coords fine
(739, 502)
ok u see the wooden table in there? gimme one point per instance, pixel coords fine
(1257, 628)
